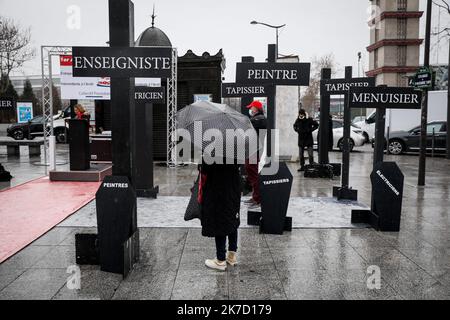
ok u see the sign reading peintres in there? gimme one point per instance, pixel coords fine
(150, 95)
(234, 90)
(341, 86)
(126, 62)
(385, 97)
(283, 74)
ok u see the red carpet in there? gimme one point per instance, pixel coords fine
(30, 210)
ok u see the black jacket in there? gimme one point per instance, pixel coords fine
(259, 122)
(221, 200)
(305, 128)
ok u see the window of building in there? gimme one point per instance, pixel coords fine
(402, 5)
(375, 58)
(402, 80)
(401, 28)
(401, 56)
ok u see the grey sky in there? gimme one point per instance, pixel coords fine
(313, 28)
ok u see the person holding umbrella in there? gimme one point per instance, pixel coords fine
(305, 126)
(219, 187)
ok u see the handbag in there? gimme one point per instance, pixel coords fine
(194, 208)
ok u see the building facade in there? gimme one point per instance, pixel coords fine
(394, 49)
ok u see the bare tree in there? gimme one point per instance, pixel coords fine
(15, 47)
(444, 4)
(311, 94)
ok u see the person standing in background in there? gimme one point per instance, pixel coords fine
(305, 126)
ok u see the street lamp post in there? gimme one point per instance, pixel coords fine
(273, 27)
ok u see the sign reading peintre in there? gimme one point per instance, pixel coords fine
(282, 74)
(125, 62)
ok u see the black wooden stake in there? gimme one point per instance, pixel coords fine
(324, 129)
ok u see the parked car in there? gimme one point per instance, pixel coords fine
(35, 128)
(367, 125)
(404, 141)
(356, 137)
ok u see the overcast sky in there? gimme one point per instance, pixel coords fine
(314, 28)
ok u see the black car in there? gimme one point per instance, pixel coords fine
(404, 141)
(27, 130)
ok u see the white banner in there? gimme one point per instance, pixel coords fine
(82, 88)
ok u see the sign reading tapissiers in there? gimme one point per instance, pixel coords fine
(385, 97)
(150, 94)
(283, 74)
(234, 90)
(341, 86)
(125, 62)
(7, 103)
(92, 88)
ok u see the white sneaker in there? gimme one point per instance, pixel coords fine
(216, 264)
(232, 258)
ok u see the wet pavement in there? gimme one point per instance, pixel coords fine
(303, 264)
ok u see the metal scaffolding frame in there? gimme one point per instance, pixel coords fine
(172, 112)
(47, 52)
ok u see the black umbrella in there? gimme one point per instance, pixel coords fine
(238, 137)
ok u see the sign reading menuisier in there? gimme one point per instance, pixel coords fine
(282, 74)
(385, 97)
(341, 86)
(126, 62)
(234, 90)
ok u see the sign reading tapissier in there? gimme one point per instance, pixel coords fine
(234, 90)
(341, 86)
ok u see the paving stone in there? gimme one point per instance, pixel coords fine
(26, 258)
(35, 284)
(95, 285)
(258, 286)
(189, 285)
(145, 284)
(53, 238)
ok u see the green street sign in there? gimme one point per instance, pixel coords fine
(423, 79)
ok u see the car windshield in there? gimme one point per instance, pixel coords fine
(37, 120)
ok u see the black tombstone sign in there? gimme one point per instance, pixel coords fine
(79, 145)
(150, 95)
(275, 194)
(117, 241)
(281, 74)
(387, 185)
(122, 62)
(235, 90)
(329, 87)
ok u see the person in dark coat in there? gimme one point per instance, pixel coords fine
(305, 126)
(220, 197)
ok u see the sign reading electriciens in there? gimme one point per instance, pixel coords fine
(341, 86)
(284, 74)
(150, 94)
(134, 62)
(385, 97)
(234, 90)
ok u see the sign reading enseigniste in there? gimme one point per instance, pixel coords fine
(125, 62)
(341, 86)
(281, 74)
(234, 90)
(385, 97)
(150, 95)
